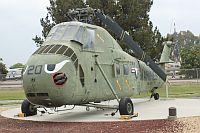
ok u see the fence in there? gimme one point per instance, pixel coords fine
(176, 78)
(189, 75)
(178, 74)
(7, 82)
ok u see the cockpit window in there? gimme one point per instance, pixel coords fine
(70, 32)
(54, 49)
(51, 33)
(47, 49)
(60, 50)
(83, 35)
(59, 32)
(69, 52)
(38, 50)
(43, 49)
(86, 36)
(74, 57)
(62, 32)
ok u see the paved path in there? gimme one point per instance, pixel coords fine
(148, 110)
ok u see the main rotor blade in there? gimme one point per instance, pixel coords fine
(138, 52)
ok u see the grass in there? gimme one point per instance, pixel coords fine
(12, 94)
(190, 90)
(176, 91)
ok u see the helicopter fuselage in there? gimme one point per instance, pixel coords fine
(81, 63)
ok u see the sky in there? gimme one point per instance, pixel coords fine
(184, 13)
(20, 22)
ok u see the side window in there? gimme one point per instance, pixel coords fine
(117, 70)
(81, 76)
(126, 69)
(89, 39)
(76, 64)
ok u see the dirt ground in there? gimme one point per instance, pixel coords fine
(191, 125)
(182, 125)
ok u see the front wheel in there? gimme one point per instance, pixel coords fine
(126, 106)
(28, 108)
(156, 96)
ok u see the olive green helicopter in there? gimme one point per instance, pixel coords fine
(81, 64)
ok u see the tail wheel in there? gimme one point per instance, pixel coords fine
(156, 96)
(28, 108)
(126, 106)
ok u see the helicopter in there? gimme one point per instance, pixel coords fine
(81, 64)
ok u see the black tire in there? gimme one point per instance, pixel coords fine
(28, 109)
(156, 96)
(126, 106)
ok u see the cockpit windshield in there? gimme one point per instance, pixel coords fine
(77, 33)
(62, 32)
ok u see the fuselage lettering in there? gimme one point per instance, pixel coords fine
(34, 69)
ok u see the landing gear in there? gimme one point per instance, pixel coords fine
(155, 95)
(126, 106)
(28, 108)
(87, 108)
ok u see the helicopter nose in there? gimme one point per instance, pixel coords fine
(60, 78)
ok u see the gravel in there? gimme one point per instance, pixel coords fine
(181, 125)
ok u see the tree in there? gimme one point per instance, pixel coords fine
(132, 15)
(190, 57)
(17, 65)
(3, 70)
(184, 38)
(190, 60)
(56, 14)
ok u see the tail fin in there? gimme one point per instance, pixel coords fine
(165, 56)
(166, 52)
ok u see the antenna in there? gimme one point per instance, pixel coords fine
(176, 50)
(174, 27)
